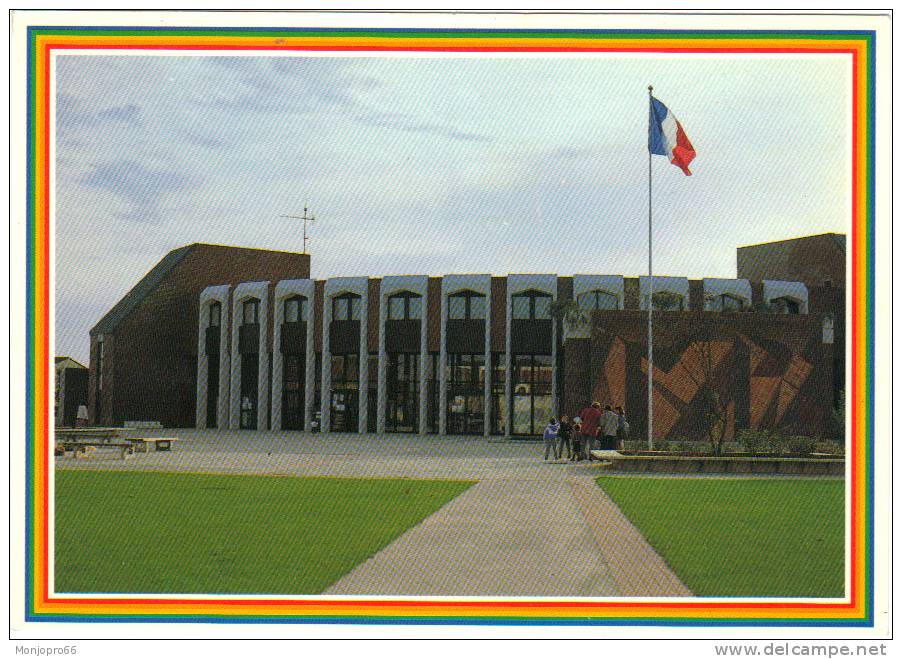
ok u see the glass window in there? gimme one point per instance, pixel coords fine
(598, 299)
(215, 314)
(415, 308)
(730, 303)
(250, 312)
(396, 308)
(404, 306)
(457, 307)
(466, 306)
(531, 305)
(785, 305)
(295, 309)
(542, 306)
(477, 307)
(346, 307)
(520, 307)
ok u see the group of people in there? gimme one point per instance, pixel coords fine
(592, 429)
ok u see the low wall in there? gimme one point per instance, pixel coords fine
(674, 464)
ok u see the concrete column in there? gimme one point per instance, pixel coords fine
(508, 384)
(443, 370)
(310, 364)
(364, 377)
(326, 377)
(424, 360)
(210, 295)
(381, 384)
(487, 413)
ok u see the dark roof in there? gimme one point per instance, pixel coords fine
(839, 238)
(142, 289)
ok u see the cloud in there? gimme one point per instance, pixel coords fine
(70, 114)
(411, 125)
(142, 188)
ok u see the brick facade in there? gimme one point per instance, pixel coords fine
(775, 370)
(150, 355)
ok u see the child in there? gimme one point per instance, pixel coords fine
(575, 436)
(550, 436)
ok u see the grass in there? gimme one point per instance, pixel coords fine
(127, 532)
(741, 537)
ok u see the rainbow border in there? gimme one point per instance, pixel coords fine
(40, 605)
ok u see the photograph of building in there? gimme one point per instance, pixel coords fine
(224, 337)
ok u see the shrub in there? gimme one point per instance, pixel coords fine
(755, 441)
(796, 444)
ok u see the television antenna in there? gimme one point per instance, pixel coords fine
(306, 218)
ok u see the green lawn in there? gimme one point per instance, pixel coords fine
(199, 533)
(741, 537)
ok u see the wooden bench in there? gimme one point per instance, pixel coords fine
(160, 443)
(125, 448)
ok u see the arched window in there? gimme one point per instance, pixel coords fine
(727, 302)
(597, 299)
(531, 305)
(214, 317)
(405, 306)
(466, 305)
(346, 307)
(668, 301)
(785, 305)
(250, 314)
(295, 309)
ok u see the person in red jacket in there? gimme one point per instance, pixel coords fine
(590, 417)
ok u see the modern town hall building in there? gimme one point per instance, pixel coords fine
(236, 338)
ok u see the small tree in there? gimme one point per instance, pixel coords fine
(666, 300)
(570, 313)
(713, 400)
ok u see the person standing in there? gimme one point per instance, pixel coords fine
(564, 432)
(589, 433)
(575, 438)
(623, 427)
(609, 424)
(550, 436)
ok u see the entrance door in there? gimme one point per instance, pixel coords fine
(403, 400)
(344, 410)
(293, 391)
(212, 390)
(250, 369)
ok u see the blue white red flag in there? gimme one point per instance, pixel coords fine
(666, 136)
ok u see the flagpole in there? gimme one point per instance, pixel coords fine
(651, 290)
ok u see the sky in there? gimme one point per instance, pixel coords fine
(435, 165)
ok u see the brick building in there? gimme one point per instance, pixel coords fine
(234, 338)
(144, 350)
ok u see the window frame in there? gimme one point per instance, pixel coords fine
(405, 298)
(467, 298)
(250, 303)
(531, 296)
(301, 302)
(596, 294)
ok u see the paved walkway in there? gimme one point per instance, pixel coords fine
(526, 528)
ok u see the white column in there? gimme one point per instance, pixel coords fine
(364, 378)
(443, 369)
(326, 378)
(487, 408)
(310, 363)
(275, 405)
(245, 291)
(383, 366)
(508, 384)
(424, 358)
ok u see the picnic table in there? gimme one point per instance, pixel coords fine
(78, 440)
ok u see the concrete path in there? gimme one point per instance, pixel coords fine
(526, 528)
(499, 538)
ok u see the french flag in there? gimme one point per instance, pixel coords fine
(666, 136)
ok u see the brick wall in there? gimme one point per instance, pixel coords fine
(774, 369)
(150, 359)
(812, 260)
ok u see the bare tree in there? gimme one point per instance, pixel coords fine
(713, 400)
